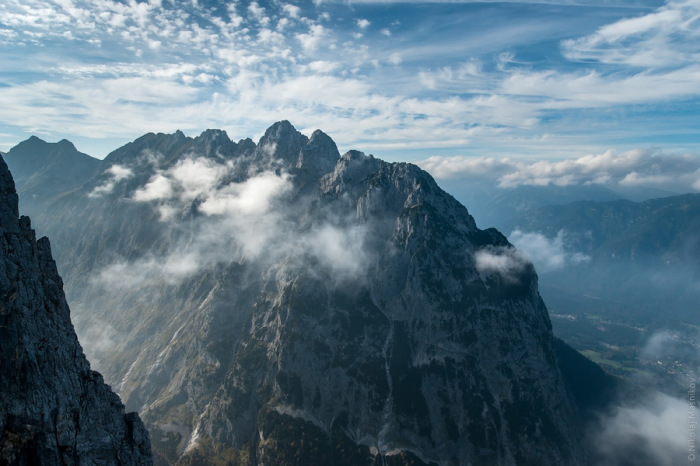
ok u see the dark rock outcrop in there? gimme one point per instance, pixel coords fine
(54, 410)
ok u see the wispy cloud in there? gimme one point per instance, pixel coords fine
(104, 68)
(116, 173)
(667, 37)
(507, 263)
(547, 254)
(654, 430)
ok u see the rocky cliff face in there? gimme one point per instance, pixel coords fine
(53, 409)
(277, 303)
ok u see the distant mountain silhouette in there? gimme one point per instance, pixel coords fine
(43, 170)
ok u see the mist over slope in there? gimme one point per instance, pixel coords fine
(277, 302)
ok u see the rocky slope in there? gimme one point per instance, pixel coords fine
(277, 303)
(53, 409)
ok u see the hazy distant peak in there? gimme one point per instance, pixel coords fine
(214, 135)
(48, 169)
(156, 143)
(66, 143)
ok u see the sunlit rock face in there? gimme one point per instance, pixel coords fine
(54, 410)
(277, 303)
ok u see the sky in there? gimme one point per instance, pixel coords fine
(410, 81)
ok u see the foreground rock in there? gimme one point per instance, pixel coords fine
(53, 409)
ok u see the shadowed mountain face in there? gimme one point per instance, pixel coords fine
(44, 170)
(277, 303)
(53, 408)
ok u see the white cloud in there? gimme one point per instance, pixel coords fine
(506, 262)
(253, 196)
(395, 58)
(668, 36)
(311, 40)
(116, 174)
(339, 249)
(656, 430)
(236, 221)
(658, 345)
(471, 102)
(546, 254)
(363, 23)
(291, 10)
(258, 12)
(158, 188)
(322, 66)
(650, 167)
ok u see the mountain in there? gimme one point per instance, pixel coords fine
(498, 207)
(43, 170)
(53, 408)
(647, 252)
(278, 303)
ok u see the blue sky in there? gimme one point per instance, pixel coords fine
(523, 80)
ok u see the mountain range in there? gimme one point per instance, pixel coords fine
(640, 257)
(280, 303)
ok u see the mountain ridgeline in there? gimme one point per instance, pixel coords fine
(278, 303)
(54, 410)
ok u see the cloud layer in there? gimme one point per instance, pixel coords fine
(651, 168)
(520, 77)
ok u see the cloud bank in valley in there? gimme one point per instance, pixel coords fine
(651, 432)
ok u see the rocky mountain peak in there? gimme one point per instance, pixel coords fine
(155, 143)
(53, 408)
(282, 142)
(318, 156)
(65, 143)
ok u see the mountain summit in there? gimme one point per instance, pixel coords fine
(277, 303)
